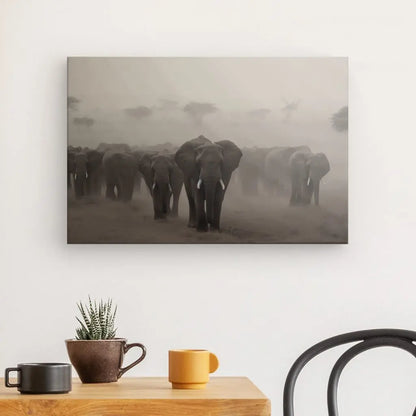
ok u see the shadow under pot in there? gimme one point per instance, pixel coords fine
(100, 361)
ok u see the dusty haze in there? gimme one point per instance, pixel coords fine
(255, 102)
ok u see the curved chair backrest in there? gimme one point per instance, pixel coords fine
(372, 338)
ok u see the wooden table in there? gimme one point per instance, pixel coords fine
(150, 396)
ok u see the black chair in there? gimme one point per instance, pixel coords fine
(373, 338)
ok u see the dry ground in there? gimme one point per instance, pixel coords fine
(244, 220)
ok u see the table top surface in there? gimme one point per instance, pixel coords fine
(148, 388)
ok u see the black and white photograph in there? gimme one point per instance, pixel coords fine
(207, 150)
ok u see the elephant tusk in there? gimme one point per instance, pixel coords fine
(198, 185)
(308, 181)
(153, 186)
(75, 176)
(170, 189)
(222, 184)
(86, 175)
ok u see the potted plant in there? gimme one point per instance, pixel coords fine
(96, 353)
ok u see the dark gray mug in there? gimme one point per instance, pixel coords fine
(41, 378)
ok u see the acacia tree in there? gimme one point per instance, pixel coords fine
(197, 111)
(72, 103)
(83, 121)
(138, 112)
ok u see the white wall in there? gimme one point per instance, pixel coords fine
(257, 307)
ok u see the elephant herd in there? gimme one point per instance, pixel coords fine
(203, 166)
(292, 170)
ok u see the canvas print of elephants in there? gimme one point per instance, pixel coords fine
(207, 150)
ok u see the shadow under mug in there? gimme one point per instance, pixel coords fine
(41, 378)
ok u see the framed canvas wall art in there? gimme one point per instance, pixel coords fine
(207, 150)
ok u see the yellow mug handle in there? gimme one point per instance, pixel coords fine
(213, 362)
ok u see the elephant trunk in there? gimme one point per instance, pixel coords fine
(161, 197)
(210, 187)
(308, 190)
(316, 192)
(166, 198)
(80, 182)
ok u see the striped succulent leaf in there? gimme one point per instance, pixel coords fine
(97, 320)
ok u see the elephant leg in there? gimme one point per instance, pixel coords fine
(109, 193)
(175, 203)
(89, 186)
(93, 184)
(168, 211)
(138, 182)
(128, 196)
(316, 193)
(215, 226)
(293, 195)
(119, 190)
(98, 185)
(201, 216)
(79, 188)
(192, 207)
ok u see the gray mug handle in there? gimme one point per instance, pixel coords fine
(6, 377)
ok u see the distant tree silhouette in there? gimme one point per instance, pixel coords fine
(72, 103)
(83, 121)
(340, 119)
(138, 112)
(197, 111)
(289, 108)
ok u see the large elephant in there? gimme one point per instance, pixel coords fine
(307, 169)
(164, 180)
(95, 172)
(80, 161)
(251, 169)
(207, 168)
(84, 166)
(119, 171)
(318, 168)
(277, 168)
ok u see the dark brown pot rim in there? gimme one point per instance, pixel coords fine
(95, 340)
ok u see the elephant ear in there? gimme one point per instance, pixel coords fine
(95, 157)
(185, 156)
(232, 155)
(320, 164)
(145, 168)
(171, 158)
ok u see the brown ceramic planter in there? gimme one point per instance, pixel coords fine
(100, 361)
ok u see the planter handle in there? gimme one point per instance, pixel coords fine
(140, 359)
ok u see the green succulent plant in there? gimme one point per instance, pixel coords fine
(97, 320)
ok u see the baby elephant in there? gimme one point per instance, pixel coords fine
(164, 180)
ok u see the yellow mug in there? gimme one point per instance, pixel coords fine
(190, 369)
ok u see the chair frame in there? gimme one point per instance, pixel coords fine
(372, 338)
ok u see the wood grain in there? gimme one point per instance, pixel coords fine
(150, 396)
